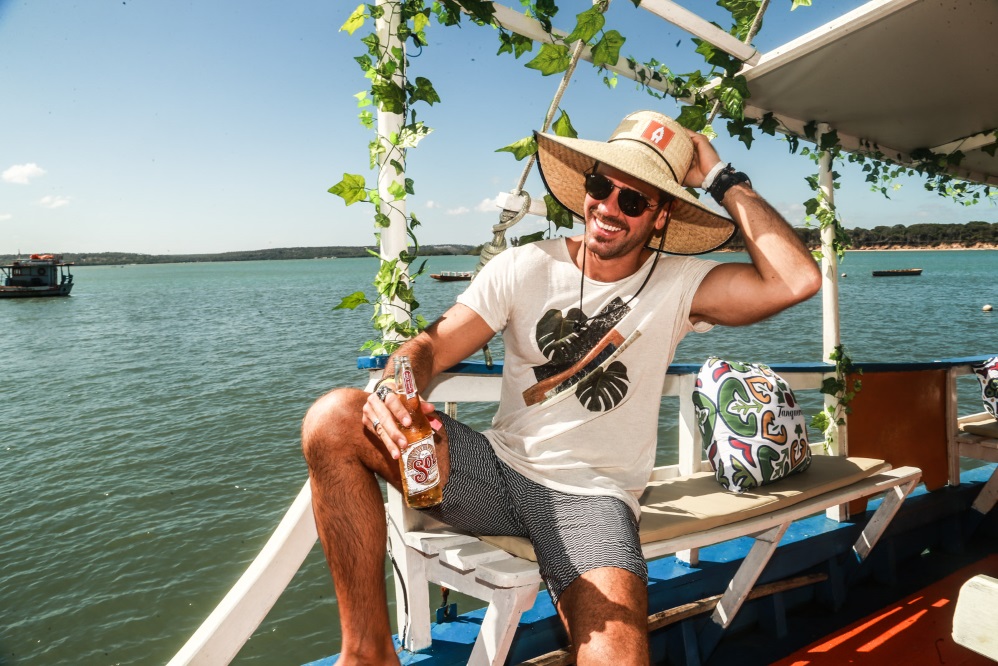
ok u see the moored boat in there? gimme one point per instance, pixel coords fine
(451, 276)
(38, 275)
(897, 272)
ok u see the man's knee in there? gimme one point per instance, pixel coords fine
(331, 421)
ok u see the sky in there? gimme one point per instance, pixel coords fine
(183, 126)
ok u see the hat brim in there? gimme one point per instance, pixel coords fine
(563, 162)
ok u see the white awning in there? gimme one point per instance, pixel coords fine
(899, 75)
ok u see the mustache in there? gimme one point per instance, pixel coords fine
(608, 219)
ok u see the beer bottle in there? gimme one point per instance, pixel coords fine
(418, 462)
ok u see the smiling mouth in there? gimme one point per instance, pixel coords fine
(608, 227)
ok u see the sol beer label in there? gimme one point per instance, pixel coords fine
(420, 460)
(408, 383)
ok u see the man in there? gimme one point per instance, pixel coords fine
(590, 325)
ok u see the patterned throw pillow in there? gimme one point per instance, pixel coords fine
(987, 372)
(753, 429)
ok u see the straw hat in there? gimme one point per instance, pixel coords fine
(648, 146)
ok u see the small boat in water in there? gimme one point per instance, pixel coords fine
(39, 275)
(897, 272)
(451, 276)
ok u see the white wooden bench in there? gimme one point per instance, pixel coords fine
(976, 436)
(684, 509)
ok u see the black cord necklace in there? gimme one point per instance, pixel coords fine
(584, 320)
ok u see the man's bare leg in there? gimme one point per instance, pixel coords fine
(606, 613)
(343, 458)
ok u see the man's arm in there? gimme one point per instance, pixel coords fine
(782, 272)
(455, 336)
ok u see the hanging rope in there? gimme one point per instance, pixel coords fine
(753, 29)
(507, 218)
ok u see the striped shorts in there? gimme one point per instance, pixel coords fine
(571, 534)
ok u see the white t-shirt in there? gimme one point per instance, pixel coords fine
(580, 399)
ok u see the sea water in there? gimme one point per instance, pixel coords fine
(149, 430)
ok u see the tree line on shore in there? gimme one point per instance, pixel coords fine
(337, 252)
(969, 235)
(927, 236)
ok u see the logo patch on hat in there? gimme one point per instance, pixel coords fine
(658, 134)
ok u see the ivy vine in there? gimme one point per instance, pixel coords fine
(831, 417)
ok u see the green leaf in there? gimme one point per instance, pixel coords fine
(829, 140)
(563, 127)
(411, 135)
(731, 100)
(607, 49)
(352, 301)
(355, 20)
(397, 190)
(560, 216)
(389, 95)
(424, 92)
(352, 188)
(800, 3)
(419, 22)
(693, 117)
(480, 10)
(552, 59)
(520, 149)
(587, 24)
(531, 238)
(742, 130)
(768, 124)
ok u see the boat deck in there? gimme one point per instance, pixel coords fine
(916, 629)
(809, 618)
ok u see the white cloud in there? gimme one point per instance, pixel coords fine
(5, 216)
(487, 206)
(460, 210)
(432, 204)
(794, 213)
(51, 201)
(21, 174)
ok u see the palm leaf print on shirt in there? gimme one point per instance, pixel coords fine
(577, 348)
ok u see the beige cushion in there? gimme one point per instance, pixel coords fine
(696, 503)
(982, 424)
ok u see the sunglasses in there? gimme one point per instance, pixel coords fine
(631, 202)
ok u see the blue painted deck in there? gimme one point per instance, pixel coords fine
(930, 536)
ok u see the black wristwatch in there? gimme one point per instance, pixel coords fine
(725, 180)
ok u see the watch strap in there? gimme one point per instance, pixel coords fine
(725, 180)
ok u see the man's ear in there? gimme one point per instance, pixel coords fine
(660, 217)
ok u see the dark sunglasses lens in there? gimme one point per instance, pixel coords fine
(631, 203)
(597, 186)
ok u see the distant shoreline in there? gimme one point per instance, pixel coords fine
(920, 248)
(356, 252)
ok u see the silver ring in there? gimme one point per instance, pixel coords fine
(375, 423)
